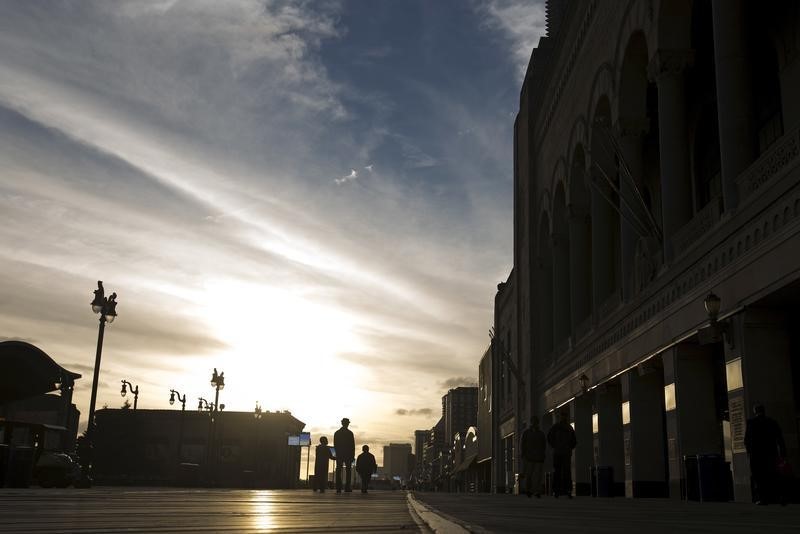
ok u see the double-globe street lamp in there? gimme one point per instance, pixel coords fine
(258, 413)
(135, 391)
(218, 383)
(107, 308)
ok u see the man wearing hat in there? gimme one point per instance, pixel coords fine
(345, 445)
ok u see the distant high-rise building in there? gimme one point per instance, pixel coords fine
(460, 410)
(397, 460)
(420, 437)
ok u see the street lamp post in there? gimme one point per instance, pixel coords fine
(257, 415)
(135, 391)
(107, 308)
(218, 383)
(182, 400)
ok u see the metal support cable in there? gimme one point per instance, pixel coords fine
(633, 219)
(652, 226)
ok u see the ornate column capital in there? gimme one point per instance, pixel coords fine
(669, 62)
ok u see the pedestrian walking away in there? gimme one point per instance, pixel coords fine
(345, 445)
(365, 467)
(766, 449)
(533, 451)
(561, 438)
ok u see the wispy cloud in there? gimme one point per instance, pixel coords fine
(420, 411)
(348, 178)
(458, 381)
(521, 21)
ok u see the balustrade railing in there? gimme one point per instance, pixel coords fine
(781, 155)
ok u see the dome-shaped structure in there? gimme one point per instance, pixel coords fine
(27, 371)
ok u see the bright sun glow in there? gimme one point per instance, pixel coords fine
(283, 349)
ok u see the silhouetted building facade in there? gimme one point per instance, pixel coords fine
(486, 425)
(466, 475)
(508, 377)
(230, 449)
(657, 160)
(434, 454)
(51, 409)
(421, 437)
(397, 460)
(35, 389)
(460, 411)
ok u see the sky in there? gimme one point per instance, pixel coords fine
(313, 197)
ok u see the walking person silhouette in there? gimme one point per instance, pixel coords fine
(321, 463)
(345, 445)
(365, 466)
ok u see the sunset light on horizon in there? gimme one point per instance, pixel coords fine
(313, 197)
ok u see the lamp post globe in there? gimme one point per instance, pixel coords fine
(712, 305)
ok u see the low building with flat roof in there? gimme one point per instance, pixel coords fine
(165, 447)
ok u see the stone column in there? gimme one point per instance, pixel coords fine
(692, 426)
(546, 422)
(630, 139)
(580, 264)
(583, 457)
(667, 68)
(758, 370)
(561, 288)
(645, 454)
(734, 95)
(608, 439)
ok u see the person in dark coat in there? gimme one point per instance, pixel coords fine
(561, 438)
(763, 440)
(345, 445)
(321, 462)
(365, 466)
(533, 448)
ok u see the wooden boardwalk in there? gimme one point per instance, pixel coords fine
(192, 510)
(514, 513)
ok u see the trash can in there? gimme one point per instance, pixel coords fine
(713, 477)
(691, 489)
(602, 480)
(605, 481)
(708, 478)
